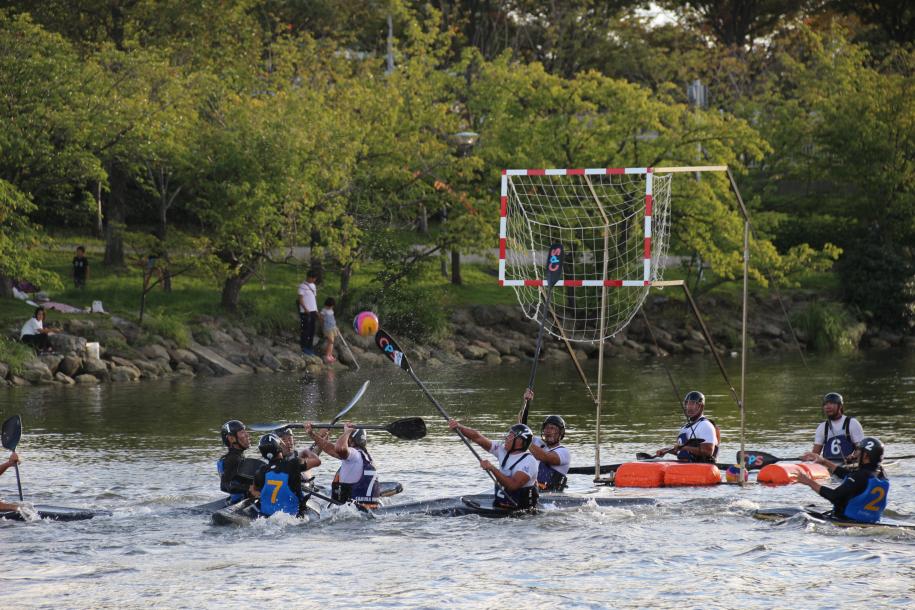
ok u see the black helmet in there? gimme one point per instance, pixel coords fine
(270, 446)
(231, 428)
(872, 447)
(694, 396)
(524, 433)
(359, 438)
(833, 397)
(556, 421)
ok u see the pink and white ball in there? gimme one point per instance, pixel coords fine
(365, 323)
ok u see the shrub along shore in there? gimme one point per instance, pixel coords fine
(482, 335)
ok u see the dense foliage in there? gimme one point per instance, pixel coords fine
(255, 125)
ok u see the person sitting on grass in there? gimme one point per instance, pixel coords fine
(35, 334)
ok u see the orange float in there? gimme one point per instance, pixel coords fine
(666, 474)
(786, 474)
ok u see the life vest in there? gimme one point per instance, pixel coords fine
(526, 497)
(684, 438)
(550, 479)
(247, 467)
(868, 506)
(276, 495)
(838, 447)
(364, 492)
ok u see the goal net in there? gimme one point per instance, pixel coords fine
(614, 227)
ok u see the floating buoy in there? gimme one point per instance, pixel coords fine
(732, 474)
(666, 474)
(786, 474)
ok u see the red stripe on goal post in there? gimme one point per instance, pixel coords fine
(504, 202)
(647, 247)
(613, 283)
(616, 170)
(648, 203)
(575, 172)
(536, 172)
(502, 248)
(573, 283)
(533, 282)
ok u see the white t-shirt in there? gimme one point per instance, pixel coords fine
(855, 431)
(32, 327)
(702, 429)
(528, 464)
(565, 458)
(308, 292)
(351, 467)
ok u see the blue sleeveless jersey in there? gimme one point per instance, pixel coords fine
(364, 491)
(868, 506)
(838, 447)
(276, 495)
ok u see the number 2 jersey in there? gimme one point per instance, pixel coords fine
(861, 496)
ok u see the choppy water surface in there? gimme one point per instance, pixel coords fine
(146, 450)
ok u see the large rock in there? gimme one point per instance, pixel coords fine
(36, 371)
(63, 343)
(155, 352)
(271, 361)
(94, 366)
(86, 379)
(184, 369)
(215, 361)
(4, 370)
(70, 365)
(123, 373)
(473, 352)
(51, 361)
(488, 315)
(65, 379)
(17, 380)
(183, 356)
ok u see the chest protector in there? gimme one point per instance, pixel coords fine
(365, 491)
(526, 497)
(684, 438)
(868, 506)
(277, 496)
(838, 446)
(221, 468)
(550, 479)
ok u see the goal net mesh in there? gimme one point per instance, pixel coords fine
(614, 228)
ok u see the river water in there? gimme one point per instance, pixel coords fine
(146, 450)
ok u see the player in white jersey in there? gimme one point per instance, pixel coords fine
(837, 437)
(516, 470)
(698, 439)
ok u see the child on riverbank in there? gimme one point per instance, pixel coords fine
(80, 268)
(330, 329)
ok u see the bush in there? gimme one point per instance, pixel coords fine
(879, 279)
(15, 354)
(168, 327)
(413, 312)
(829, 327)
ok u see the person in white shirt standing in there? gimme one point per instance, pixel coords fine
(308, 312)
(699, 438)
(34, 333)
(516, 470)
(837, 437)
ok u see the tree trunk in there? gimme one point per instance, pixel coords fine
(114, 219)
(231, 292)
(346, 275)
(6, 287)
(422, 223)
(456, 268)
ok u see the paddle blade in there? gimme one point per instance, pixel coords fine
(409, 429)
(554, 264)
(274, 427)
(757, 459)
(11, 432)
(389, 348)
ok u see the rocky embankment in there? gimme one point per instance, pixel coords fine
(482, 335)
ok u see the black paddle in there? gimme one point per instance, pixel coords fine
(352, 403)
(10, 434)
(409, 428)
(553, 275)
(389, 348)
(758, 459)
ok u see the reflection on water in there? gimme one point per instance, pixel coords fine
(145, 450)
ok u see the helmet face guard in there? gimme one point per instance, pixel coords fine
(557, 421)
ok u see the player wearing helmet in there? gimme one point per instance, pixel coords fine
(236, 472)
(863, 492)
(357, 479)
(698, 439)
(547, 449)
(279, 481)
(836, 437)
(517, 469)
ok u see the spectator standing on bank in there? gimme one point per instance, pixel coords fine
(308, 312)
(80, 268)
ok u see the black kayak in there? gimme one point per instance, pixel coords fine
(780, 514)
(481, 504)
(246, 511)
(57, 513)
